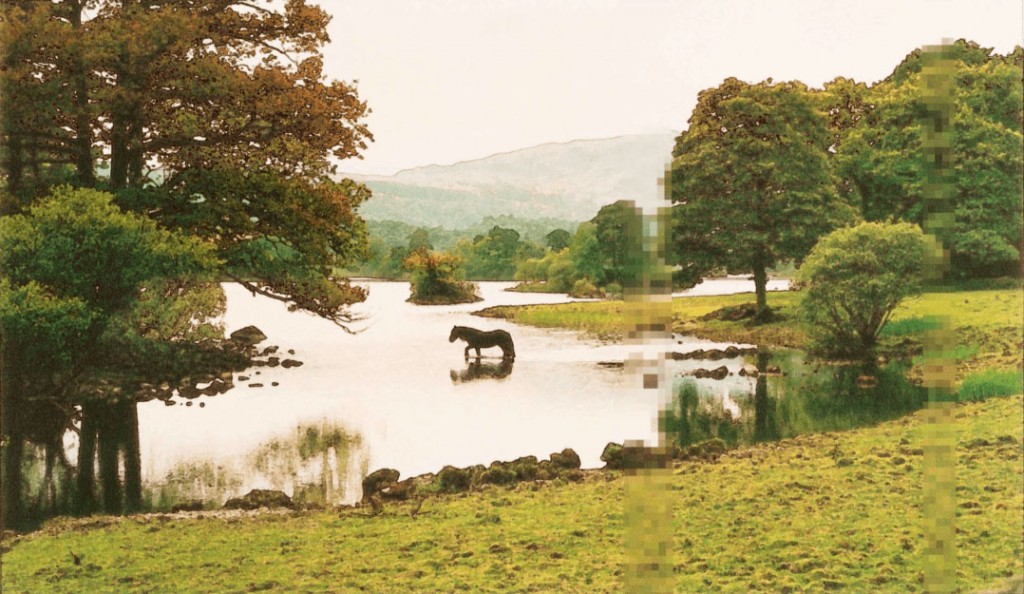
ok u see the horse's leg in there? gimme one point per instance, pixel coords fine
(477, 352)
(467, 352)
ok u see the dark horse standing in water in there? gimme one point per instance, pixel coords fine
(478, 339)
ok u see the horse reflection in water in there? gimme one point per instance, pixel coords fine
(477, 370)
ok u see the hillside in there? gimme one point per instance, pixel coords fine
(560, 180)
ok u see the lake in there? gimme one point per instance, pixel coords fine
(397, 394)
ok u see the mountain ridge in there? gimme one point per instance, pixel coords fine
(565, 180)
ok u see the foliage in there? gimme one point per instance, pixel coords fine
(227, 100)
(77, 329)
(435, 279)
(420, 240)
(854, 279)
(587, 261)
(78, 244)
(491, 256)
(558, 240)
(585, 253)
(619, 234)
(584, 289)
(881, 161)
(390, 243)
(751, 182)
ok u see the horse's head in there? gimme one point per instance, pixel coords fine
(455, 334)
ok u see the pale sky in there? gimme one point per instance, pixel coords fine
(453, 80)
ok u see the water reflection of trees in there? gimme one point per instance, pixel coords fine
(316, 464)
(803, 399)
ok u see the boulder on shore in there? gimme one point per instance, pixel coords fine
(612, 456)
(378, 480)
(454, 480)
(566, 459)
(258, 498)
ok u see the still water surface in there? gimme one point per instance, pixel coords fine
(399, 395)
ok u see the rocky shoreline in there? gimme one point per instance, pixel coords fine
(383, 486)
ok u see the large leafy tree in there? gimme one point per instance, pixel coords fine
(73, 330)
(881, 160)
(225, 100)
(210, 118)
(751, 183)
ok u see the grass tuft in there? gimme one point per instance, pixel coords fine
(991, 383)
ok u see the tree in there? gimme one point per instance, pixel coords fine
(211, 118)
(435, 279)
(227, 100)
(491, 256)
(420, 240)
(854, 279)
(881, 160)
(619, 230)
(585, 254)
(558, 239)
(751, 182)
(72, 270)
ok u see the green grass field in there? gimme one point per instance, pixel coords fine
(825, 512)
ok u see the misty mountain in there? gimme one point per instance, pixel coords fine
(568, 181)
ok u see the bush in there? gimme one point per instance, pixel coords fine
(584, 289)
(854, 278)
(434, 279)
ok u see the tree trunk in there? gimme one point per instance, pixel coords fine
(86, 483)
(13, 510)
(14, 165)
(83, 128)
(761, 289)
(132, 458)
(109, 442)
(118, 153)
(14, 449)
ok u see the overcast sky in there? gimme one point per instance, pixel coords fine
(452, 80)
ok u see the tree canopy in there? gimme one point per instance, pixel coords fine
(881, 162)
(212, 117)
(751, 183)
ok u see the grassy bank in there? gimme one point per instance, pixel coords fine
(838, 512)
(988, 324)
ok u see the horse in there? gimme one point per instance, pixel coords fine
(479, 339)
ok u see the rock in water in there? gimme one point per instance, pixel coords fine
(249, 335)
